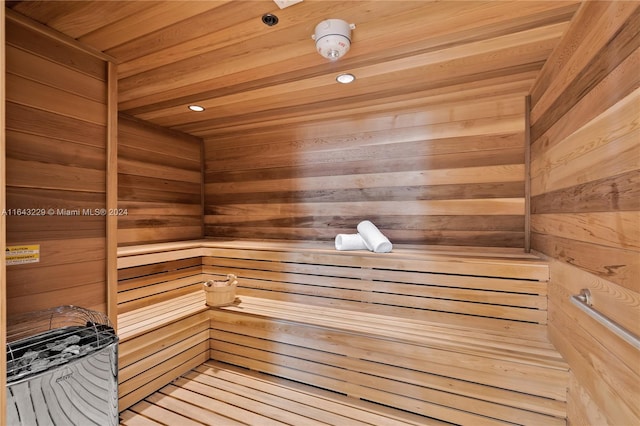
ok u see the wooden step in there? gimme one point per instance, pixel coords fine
(159, 342)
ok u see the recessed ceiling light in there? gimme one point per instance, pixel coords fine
(345, 78)
(196, 108)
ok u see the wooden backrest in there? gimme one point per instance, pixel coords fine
(145, 285)
(492, 291)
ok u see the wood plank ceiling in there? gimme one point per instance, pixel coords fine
(219, 54)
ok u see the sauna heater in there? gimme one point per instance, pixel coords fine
(62, 369)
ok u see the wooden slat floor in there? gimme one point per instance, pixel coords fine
(220, 394)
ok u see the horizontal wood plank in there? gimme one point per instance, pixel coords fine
(159, 184)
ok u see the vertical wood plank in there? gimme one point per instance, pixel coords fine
(3, 231)
(112, 193)
(527, 173)
(202, 189)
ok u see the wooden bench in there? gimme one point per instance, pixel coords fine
(450, 333)
(456, 334)
(163, 321)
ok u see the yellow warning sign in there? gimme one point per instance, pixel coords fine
(18, 255)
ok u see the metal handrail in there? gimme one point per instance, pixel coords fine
(583, 301)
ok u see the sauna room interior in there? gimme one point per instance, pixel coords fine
(495, 144)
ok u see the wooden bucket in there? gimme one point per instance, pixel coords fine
(221, 293)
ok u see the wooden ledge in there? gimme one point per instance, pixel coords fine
(446, 259)
(412, 250)
(469, 340)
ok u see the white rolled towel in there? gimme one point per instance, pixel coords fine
(350, 242)
(373, 238)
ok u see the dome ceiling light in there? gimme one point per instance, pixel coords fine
(333, 38)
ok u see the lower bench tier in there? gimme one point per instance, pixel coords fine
(462, 383)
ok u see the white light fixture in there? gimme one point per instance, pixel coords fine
(333, 38)
(345, 78)
(196, 108)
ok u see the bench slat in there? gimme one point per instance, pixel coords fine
(125, 285)
(160, 292)
(449, 360)
(316, 273)
(152, 270)
(149, 318)
(503, 268)
(263, 403)
(328, 402)
(159, 375)
(146, 344)
(397, 329)
(392, 285)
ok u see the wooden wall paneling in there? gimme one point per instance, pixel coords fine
(581, 408)
(612, 300)
(617, 265)
(369, 137)
(473, 86)
(56, 166)
(3, 273)
(621, 191)
(527, 174)
(617, 229)
(439, 152)
(618, 23)
(448, 174)
(604, 147)
(159, 184)
(592, 349)
(622, 80)
(572, 41)
(39, 69)
(585, 206)
(44, 41)
(42, 96)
